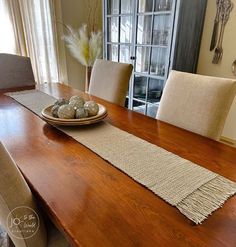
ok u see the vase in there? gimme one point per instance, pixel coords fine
(87, 78)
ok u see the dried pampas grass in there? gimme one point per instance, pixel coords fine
(85, 48)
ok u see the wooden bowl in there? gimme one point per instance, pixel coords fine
(47, 116)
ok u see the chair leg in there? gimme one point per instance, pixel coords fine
(9, 242)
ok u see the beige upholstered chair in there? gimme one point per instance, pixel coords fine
(3, 237)
(17, 202)
(15, 71)
(197, 103)
(109, 80)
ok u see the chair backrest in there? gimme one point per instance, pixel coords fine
(109, 80)
(197, 103)
(15, 71)
(17, 206)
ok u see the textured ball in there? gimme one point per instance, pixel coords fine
(77, 103)
(92, 108)
(66, 112)
(76, 97)
(54, 110)
(81, 113)
(62, 102)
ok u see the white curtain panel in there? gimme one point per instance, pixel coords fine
(7, 40)
(31, 24)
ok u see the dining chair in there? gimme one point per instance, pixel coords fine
(197, 103)
(18, 210)
(3, 237)
(109, 80)
(15, 71)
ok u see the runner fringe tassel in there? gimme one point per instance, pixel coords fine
(205, 200)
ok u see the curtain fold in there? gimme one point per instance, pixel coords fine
(16, 19)
(33, 26)
(59, 30)
(7, 42)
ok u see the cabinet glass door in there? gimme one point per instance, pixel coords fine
(119, 28)
(140, 32)
(119, 31)
(154, 20)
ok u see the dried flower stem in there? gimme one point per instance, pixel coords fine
(92, 6)
(84, 47)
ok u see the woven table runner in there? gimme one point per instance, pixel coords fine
(194, 190)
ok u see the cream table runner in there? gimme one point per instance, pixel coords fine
(194, 190)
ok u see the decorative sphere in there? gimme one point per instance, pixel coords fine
(81, 113)
(54, 110)
(77, 103)
(76, 97)
(66, 112)
(62, 101)
(92, 108)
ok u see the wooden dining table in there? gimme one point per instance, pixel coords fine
(95, 204)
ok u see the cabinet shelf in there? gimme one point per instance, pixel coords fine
(141, 45)
(151, 75)
(152, 45)
(150, 100)
(166, 12)
(140, 99)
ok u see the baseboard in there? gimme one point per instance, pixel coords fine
(228, 141)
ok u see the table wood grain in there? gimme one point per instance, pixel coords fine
(95, 204)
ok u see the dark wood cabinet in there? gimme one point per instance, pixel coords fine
(155, 36)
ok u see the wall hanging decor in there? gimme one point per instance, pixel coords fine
(224, 7)
(233, 68)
